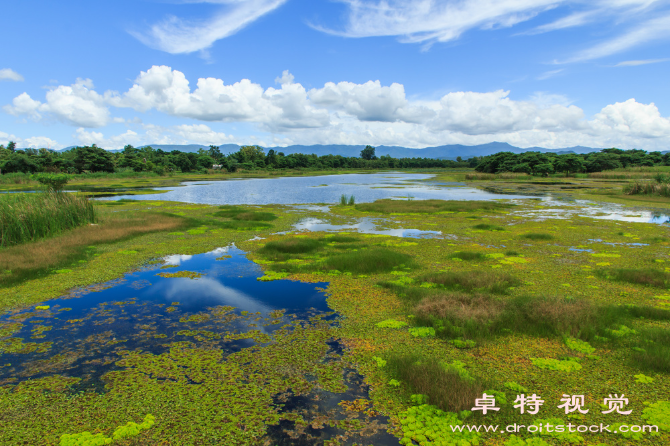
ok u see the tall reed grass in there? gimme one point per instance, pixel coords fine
(28, 217)
(647, 188)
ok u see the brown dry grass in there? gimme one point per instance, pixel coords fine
(55, 251)
(461, 306)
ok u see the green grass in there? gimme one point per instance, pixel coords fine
(387, 206)
(537, 236)
(647, 188)
(367, 261)
(285, 249)
(29, 217)
(470, 256)
(445, 387)
(471, 281)
(347, 201)
(241, 214)
(646, 276)
(654, 354)
(488, 227)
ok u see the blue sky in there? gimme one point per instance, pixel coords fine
(414, 73)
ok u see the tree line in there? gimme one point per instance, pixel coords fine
(147, 159)
(543, 164)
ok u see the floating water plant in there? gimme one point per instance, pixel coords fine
(422, 332)
(426, 424)
(391, 323)
(184, 274)
(556, 364)
(579, 346)
(658, 414)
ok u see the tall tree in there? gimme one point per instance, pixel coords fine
(368, 153)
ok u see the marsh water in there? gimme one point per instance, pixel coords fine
(317, 189)
(213, 298)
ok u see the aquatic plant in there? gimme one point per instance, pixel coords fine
(643, 379)
(380, 362)
(427, 424)
(449, 387)
(468, 256)
(537, 236)
(347, 201)
(181, 274)
(488, 227)
(556, 364)
(422, 332)
(471, 281)
(532, 441)
(579, 346)
(84, 439)
(269, 276)
(369, 261)
(388, 206)
(132, 429)
(391, 323)
(658, 414)
(463, 343)
(29, 217)
(515, 387)
(642, 276)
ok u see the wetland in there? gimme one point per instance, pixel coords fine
(263, 312)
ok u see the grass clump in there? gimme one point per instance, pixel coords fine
(241, 214)
(654, 353)
(367, 261)
(347, 201)
(388, 206)
(29, 217)
(646, 276)
(556, 364)
(537, 236)
(285, 249)
(469, 256)
(445, 387)
(488, 227)
(471, 281)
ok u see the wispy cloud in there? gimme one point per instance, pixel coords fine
(648, 31)
(548, 74)
(177, 36)
(635, 63)
(7, 74)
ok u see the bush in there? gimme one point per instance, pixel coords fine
(52, 181)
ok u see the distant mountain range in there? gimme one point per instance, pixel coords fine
(440, 152)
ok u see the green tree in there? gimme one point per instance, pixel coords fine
(368, 153)
(93, 158)
(11, 146)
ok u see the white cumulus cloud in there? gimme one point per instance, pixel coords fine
(77, 104)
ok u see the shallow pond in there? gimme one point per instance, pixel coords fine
(364, 226)
(318, 189)
(214, 300)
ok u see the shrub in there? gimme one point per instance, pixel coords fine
(282, 249)
(52, 181)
